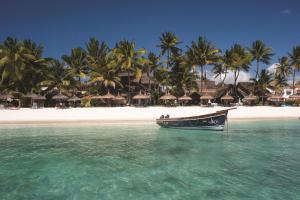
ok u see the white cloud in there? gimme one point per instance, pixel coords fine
(243, 77)
(286, 12)
(272, 68)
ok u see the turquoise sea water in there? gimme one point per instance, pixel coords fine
(253, 160)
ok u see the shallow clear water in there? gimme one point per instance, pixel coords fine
(253, 160)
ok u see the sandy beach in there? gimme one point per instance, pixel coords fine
(137, 114)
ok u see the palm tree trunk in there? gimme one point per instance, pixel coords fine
(168, 62)
(294, 81)
(149, 86)
(201, 79)
(257, 68)
(236, 75)
(225, 76)
(129, 87)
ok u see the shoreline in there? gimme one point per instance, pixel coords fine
(137, 115)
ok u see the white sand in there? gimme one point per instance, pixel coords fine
(134, 114)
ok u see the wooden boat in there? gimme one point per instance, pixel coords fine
(211, 121)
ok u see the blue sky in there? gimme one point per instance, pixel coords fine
(62, 24)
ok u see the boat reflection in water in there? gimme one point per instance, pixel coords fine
(211, 121)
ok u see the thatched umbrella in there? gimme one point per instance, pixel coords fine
(119, 99)
(294, 97)
(74, 99)
(107, 96)
(141, 97)
(30, 95)
(167, 96)
(250, 97)
(184, 98)
(205, 99)
(276, 98)
(39, 97)
(96, 97)
(5, 97)
(227, 98)
(60, 97)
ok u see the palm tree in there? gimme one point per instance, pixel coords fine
(168, 44)
(77, 63)
(295, 62)
(280, 81)
(58, 77)
(96, 52)
(106, 74)
(239, 60)
(202, 53)
(11, 63)
(153, 62)
(283, 67)
(262, 83)
(260, 53)
(129, 60)
(219, 70)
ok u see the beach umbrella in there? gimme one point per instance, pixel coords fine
(60, 97)
(30, 95)
(96, 97)
(6, 97)
(227, 97)
(141, 96)
(39, 97)
(107, 96)
(294, 96)
(119, 98)
(250, 97)
(167, 96)
(184, 98)
(74, 98)
(206, 97)
(276, 98)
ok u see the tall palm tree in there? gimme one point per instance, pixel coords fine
(106, 74)
(280, 81)
(260, 53)
(262, 83)
(77, 63)
(96, 52)
(202, 53)
(283, 67)
(168, 44)
(295, 62)
(11, 63)
(240, 60)
(153, 62)
(130, 60)
(58, 77)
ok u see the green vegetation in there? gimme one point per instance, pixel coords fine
(97, 69)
